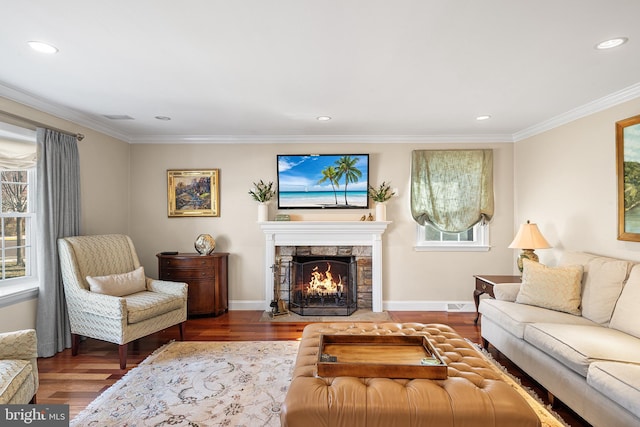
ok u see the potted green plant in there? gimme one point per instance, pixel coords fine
(262, 192)
(380, 196)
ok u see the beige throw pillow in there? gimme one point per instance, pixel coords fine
(555, 288)
(118, 285)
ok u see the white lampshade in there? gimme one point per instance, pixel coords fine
(529, 237)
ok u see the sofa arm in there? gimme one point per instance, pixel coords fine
(506, 291)
(166, 287)
(19, 345)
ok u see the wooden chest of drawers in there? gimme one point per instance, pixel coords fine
(206, 276)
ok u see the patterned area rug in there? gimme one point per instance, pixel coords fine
(199, 384)
(548, 417)
(217, 384)
(361, 315)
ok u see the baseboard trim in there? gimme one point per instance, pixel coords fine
(448, 306)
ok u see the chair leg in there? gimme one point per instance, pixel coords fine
(75, 343)
(183, 327)
(122, 352)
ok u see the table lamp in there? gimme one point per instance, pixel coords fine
(528, 239)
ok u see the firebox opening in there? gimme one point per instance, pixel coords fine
(323, 285)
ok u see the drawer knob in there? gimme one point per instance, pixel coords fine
(484, 286)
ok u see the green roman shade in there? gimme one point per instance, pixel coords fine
(452, 189)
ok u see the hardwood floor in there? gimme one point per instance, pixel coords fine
(78, 380)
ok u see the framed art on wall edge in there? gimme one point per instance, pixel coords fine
(193, 193)
(628, 170)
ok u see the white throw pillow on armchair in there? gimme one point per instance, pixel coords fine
(118, 285)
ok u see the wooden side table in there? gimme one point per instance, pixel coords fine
(206, 276)
(484, 285)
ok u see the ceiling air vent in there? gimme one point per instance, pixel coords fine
(118, 117)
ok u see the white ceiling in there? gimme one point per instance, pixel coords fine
(265, 69)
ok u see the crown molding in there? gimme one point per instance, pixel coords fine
(270, 139)
(64, 113)
(69, 114)
(611, 100)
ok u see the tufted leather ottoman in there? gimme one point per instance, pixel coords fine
(472, 396)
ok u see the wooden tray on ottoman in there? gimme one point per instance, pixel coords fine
(376, 356)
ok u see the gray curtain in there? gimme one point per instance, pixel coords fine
(452, 189)
(58, 213)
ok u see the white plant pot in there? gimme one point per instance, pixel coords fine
(263, 212)
(381, 212)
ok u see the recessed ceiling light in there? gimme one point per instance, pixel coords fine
(481, 118)
(42, 47)
(118, 117)
(165, 118)
(611, 43)
(323, 118)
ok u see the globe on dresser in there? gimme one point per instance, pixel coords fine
(205, 244)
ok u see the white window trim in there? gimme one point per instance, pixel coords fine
(22, 290)
(13, 291)
(481, 245)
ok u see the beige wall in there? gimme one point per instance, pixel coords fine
(563, 179)
(412, 280)
(104, 174)
(566, 182)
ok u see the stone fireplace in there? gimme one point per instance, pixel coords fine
(325, 280)
(360, 242)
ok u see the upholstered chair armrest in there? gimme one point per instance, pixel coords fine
(506, 291)
(19, 345)
(166, 287)
(102, 305)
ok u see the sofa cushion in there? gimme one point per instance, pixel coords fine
(577, 258)
(118, 285)
(13, 374)
(602, 281)
(146, 305)
(625, 315)
(555, 288)
(577, 346)
(514, 317)
(620, 382)
(602, 287)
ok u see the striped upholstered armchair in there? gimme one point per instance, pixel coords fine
(18, 367)
(108, 296)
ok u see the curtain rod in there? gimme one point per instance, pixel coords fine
(78, 136)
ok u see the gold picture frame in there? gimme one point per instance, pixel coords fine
(628, 174)
(193, 193)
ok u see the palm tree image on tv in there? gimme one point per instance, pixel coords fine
(347, 169)
(323, 181)
(330, 174)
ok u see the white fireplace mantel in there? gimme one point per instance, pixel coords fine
(326, 233)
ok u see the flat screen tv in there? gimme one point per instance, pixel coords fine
(323, 181)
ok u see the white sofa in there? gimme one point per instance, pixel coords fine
(589, 360)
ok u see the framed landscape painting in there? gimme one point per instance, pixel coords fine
(193, 193)
(628, 170)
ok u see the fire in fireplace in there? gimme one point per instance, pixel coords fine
(323, 285)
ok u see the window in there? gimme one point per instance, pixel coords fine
(18, 273)
(452, 198)
(17, 223)
(475, 238)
